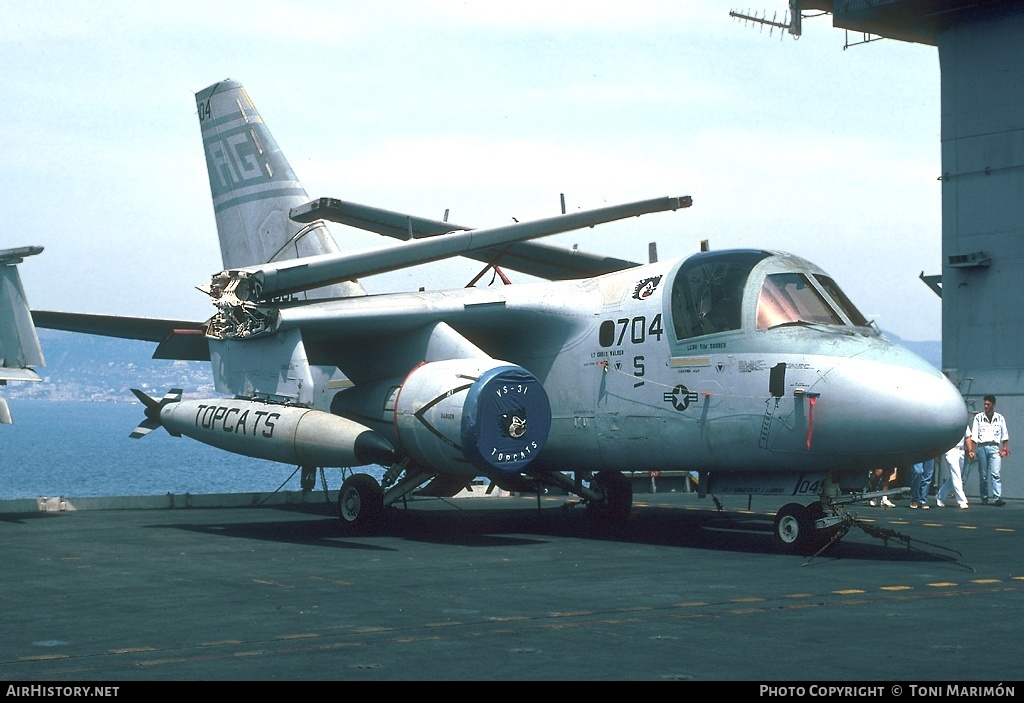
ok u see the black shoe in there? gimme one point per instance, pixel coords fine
(1000, 503)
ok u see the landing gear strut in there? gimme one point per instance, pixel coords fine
(608, 497)
(616, 495)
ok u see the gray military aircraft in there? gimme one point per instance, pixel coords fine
(749, 368)
(19, 344)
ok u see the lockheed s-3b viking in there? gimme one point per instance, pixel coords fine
(749, 368)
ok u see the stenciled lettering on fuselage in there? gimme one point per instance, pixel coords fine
(681, 397)
(422, 413)
(766, 423)
(630, 332)
(236, 421)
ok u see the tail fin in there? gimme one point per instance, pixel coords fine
(152, 409)
(254, 189)
(19, 344)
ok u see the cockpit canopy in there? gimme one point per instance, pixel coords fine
(716, 292)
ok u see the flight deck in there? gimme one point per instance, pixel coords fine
(507, 589)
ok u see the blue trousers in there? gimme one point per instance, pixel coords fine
(989, 463)
(921, 481)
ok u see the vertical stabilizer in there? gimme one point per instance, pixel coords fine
(19, 344)
(254, 188)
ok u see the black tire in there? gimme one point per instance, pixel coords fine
(794, 530)
(616, 496)
(822, 537)
(361, 504)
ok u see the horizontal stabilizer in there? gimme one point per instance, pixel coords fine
(19, 344)
(541, 260)
(17, 255)
(15, 374)
(276, 279)
(149, 329)
(184, 345)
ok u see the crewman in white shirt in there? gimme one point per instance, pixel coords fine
(989, 442)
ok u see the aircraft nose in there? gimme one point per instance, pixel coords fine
(897, 413)
(932, 411)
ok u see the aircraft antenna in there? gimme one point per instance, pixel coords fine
(704, 246)
(562, 196)
(790, 22)
(446, 214)
(652, 253)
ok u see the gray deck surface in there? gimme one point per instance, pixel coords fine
(487, 588)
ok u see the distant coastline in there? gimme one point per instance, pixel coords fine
(87, 368)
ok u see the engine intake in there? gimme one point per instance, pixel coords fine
(472, 416)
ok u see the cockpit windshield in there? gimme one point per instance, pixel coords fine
(707, 296)
(839, 297)
(713, 292)
(788, 298)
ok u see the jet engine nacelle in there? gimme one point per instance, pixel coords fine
(472, 416)
(289, 434)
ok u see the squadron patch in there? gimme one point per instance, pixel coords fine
(513, 424)
(645, 288)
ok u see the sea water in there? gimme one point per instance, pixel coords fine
(82, 449)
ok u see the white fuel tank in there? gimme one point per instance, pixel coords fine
(289, 434)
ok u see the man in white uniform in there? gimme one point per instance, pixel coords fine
(954, 460)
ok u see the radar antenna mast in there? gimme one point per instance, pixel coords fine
(790, 21)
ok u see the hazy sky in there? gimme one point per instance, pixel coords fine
(488, 109)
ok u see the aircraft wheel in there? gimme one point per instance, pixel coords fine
(794, 529)
(361, 503)
(616, 495)
(821, 537)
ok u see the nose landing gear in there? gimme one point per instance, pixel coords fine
(808, 530)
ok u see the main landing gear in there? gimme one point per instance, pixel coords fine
(609, 495)
(361, 503)
(614, 496)
(362, 500)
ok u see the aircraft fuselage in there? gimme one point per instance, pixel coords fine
(634, 387)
